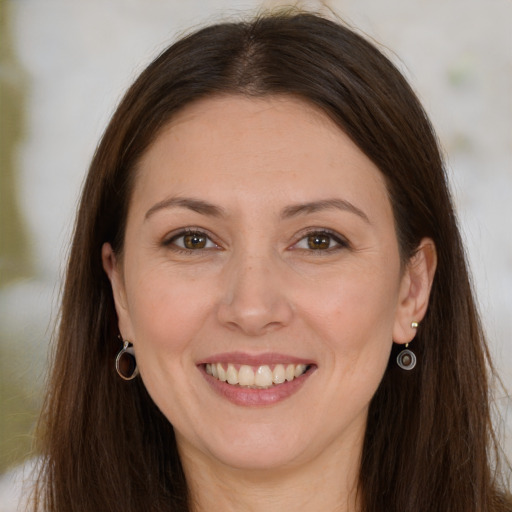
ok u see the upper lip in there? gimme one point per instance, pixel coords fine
(267, 358)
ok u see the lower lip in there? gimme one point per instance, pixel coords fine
(239, 395)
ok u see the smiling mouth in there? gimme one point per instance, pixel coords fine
(257, 377)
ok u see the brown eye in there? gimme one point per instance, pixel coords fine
(319, 241)
(192, 241)
(195, 241)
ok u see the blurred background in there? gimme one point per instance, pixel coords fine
(64, 65)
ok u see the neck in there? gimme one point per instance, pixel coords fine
(328, 483)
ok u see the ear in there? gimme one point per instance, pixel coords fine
(414, 292)
(112, 268)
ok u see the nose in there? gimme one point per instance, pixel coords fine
(254, 299)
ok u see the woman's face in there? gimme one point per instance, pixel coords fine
(260, 248)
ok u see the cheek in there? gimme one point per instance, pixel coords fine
(355, 306)
(354, 315)
(166, 313)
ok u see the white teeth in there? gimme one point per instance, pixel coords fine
(245, 376)
(299, 370)
(263, 377)
(290, 372)
(221, 373)
(278, 375)
(232, 375)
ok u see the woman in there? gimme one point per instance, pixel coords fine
(264, 230)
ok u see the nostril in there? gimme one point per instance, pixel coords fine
(254, 319)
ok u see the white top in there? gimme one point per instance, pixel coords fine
(15, 487)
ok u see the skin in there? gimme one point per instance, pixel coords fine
(258, 288)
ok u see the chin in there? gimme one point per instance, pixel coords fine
(254, 449)
(257, 458)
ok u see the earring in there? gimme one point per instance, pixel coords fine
(406, 359)
(126, 365)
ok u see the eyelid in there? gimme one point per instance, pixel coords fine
(341, 241)
(168, 241)
(170, 238)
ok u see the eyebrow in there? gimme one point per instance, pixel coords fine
(206, 208)
(196, 205)
(326, 204)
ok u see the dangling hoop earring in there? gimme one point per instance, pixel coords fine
(126, 365)
(406, 359)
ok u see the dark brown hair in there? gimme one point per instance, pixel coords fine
(106, 446)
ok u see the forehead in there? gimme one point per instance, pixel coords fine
(257, 149)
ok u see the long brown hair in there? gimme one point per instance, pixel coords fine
(429, 438)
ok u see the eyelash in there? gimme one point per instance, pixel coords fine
(171, 242)
(341, 242)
